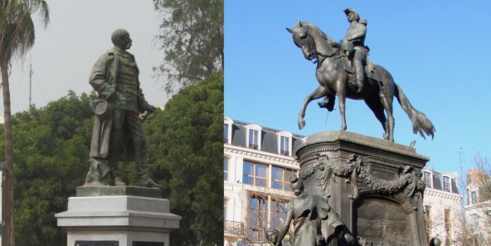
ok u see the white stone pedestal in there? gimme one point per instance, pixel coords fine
(117, 220)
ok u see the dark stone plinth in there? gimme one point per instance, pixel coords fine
(374, 185)
(341, 144)
(119, 191)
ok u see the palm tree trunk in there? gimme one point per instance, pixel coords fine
(8, 235)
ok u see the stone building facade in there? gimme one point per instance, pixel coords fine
(258, 162)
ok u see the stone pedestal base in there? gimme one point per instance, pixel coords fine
(118, 216)
(373, 185)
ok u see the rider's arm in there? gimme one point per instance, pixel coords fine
(359, 32)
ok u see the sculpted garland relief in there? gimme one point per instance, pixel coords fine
(407, 189)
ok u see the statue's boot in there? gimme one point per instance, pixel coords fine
(117, 177)
(113, 160)
(118, 181)
(144, 179)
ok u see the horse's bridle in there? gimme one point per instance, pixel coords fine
(316, 53)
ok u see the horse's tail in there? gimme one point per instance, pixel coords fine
(421, 123)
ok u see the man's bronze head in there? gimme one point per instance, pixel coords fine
(121, 39)
(352, 15)
(297, 185)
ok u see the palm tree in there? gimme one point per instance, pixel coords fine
(16, 38)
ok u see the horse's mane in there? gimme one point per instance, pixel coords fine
(314, 28)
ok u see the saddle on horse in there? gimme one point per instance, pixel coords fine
(369, 71)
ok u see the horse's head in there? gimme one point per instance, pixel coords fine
(303, 39)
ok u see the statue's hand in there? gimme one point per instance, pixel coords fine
(149, 108)
(109, 94)
(349, 239)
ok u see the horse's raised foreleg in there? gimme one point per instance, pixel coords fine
(318, 93)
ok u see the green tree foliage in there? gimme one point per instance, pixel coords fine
(51, 146)
(16, 38)
(191, 36)
(186, 151)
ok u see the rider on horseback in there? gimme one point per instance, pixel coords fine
(354, 46)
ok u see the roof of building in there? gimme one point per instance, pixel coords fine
(437, 179)
(269, 137)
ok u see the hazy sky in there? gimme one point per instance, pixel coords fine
(79, 32)
(435, 50)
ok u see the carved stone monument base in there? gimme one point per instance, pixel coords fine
(374, 185)
(118, 216)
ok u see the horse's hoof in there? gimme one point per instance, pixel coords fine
(301, 124)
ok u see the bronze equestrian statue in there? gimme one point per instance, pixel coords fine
(334, 72)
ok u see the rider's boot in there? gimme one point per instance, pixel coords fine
(358, 75)
(327, 103)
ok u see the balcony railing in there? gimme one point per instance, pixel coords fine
(234, 228)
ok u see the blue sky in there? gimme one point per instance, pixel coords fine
(435, 50)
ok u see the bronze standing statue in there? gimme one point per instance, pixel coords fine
(117, 133)
(377, 90)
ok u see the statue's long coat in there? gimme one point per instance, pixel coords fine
(103, 79)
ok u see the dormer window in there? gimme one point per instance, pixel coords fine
(227, 130)
(473, 197)
(285, 143)
(446, 184)
(428, 179)
(254, 137)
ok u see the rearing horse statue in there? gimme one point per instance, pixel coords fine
(331, 73)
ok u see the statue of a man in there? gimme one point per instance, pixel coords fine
(354, 44)
(313, 219)
(117, 133)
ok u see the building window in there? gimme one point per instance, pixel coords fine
(285, 143)
(473, 223)
(281, 178)
(264, 212)
(446, 184)
(473, 197)
(278, 213)
(225, 201)
(427, 179)
(257, 217)
(428, 220)
(255, 174)
(253, 139)
(446, 221)
(225, 169)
